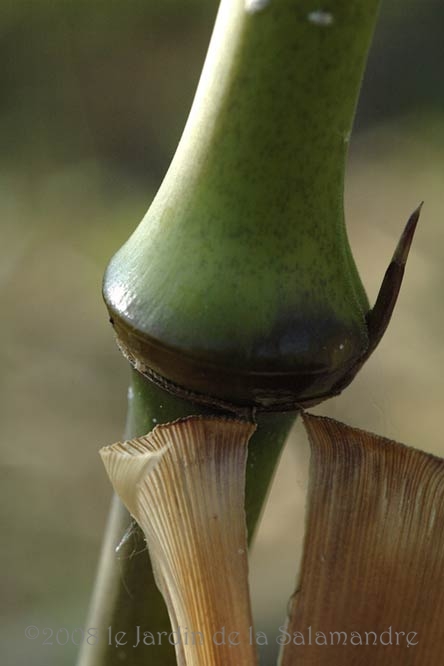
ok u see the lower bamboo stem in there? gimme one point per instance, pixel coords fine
(126, 601)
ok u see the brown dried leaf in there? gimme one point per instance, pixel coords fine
(184, 484)
(373, 556)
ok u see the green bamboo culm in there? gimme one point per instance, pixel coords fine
(238, 291)
(239, 283)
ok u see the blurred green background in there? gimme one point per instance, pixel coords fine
(94, 96)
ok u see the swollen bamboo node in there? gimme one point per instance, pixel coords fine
(239, 286)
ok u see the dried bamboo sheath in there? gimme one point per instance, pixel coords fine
(184, 484)
(373, 560)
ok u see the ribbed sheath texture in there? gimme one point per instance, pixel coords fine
(184, 484)
(374, 553)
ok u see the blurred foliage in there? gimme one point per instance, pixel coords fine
(94, 98)
(95, 79)
(404, 68)
(115, 80)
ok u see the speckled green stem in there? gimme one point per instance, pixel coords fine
(126, 595)
(241, 268)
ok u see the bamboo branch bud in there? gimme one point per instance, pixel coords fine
(373, 564)
(184, 484)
